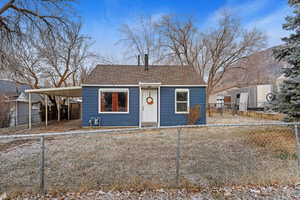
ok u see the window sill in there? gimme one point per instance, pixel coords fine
(113, 112)
(182, 112)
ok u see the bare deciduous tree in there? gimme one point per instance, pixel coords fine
(211, 53)
(225, 46)
(65, 55)
(25, 64)
(17, 17)
(180, 39)
(46, 61)
(59, 61)
(141, 38)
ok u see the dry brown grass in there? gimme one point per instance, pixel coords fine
(146, 160)
(251, 114)
(280, 140)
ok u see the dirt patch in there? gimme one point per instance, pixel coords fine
(53, 126)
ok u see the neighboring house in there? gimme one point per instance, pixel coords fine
(246, 98)
(130, 95)
(19, 110)
(17, 100)
(249, 81)
(260, 68)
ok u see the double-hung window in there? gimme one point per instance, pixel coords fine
(182, 101)
(113, 101)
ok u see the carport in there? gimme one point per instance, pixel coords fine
(68, 92)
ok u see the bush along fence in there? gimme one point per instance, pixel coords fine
(194, 156)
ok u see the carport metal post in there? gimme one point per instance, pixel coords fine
(68, 102)
(178, 157)
(297, 144)
(42, 166)
(29, 110)
(46, 110)
(58, 109)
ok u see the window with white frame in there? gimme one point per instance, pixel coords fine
(113, 100)
(182, 101)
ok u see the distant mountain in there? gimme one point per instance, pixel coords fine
(258, 68)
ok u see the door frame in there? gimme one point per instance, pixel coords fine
(149, 86)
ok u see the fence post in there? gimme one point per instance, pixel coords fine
(297, 144)
(178, 156)
(42, 166)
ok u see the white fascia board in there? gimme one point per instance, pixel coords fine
(141, 84)
(107, 85)
(53, 89)
(183, 85)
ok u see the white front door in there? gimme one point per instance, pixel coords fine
(149, 105)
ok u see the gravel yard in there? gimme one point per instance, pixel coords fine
(286, 192)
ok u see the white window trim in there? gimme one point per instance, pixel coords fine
(112, 90)
(188, 101)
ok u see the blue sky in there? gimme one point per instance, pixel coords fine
(102, 18)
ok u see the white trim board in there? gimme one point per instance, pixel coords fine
(188, 100)
(149, 113)
(140, 106)
(183, 86)
(153, 85)
(137, 85)
(140, 110)
(108, 85)
(158, 107)
(112, 90)
(52, 89)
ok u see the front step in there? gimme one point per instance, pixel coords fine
(149, 124)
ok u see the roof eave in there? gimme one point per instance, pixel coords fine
(137, 85)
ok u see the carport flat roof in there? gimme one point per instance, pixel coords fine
(75, 91)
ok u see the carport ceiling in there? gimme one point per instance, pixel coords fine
(63, 91)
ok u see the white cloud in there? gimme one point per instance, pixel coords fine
(235, 7)
(272, 25)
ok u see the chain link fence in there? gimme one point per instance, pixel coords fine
(150, 158)
(20, 121)
(261, 111)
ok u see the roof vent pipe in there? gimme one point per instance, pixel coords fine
(146, 62)
(139, 60)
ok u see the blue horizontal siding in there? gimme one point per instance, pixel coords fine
(90, 108)
(167, 107)
(168, 117)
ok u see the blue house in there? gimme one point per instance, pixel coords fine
(138, 96)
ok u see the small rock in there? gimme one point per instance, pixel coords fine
(254, 191)
(3, 196)
(90, 194)
(161, 190)
(227, 193)
(101, 192)
(297, 184)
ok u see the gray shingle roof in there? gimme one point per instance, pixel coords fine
(133, 74)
